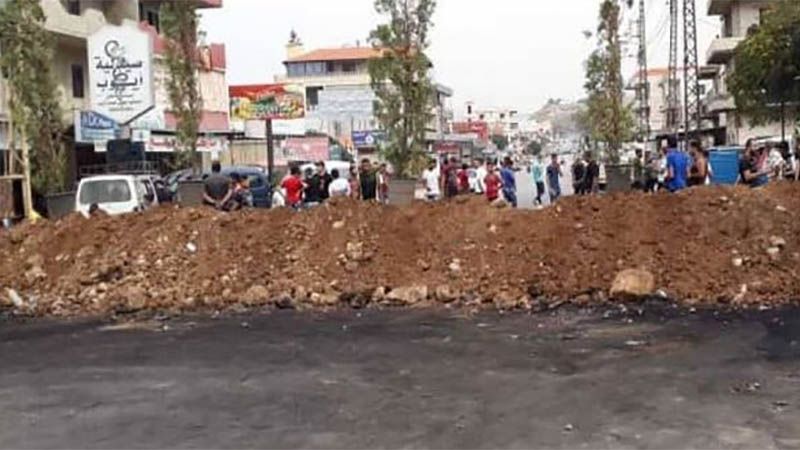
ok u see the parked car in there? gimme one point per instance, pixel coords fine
(260, 188)
(114, 194)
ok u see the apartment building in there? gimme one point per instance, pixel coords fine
(73, 22)
(339, 97)
(736, 18)
(501, 121)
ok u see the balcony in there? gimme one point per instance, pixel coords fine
(716, 103)
(721, 50)
(719, 7)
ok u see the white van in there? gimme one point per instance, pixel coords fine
(114, 194)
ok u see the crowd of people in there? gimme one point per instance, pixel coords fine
(450, 178)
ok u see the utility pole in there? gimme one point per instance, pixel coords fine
(691, 90)
(643, 89)
(672, 88)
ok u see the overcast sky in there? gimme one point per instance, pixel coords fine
(497, 53)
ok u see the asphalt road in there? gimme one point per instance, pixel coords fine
(396, 379)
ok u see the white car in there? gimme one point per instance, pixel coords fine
(115, 194)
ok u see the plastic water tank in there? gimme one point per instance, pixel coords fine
(724, 164)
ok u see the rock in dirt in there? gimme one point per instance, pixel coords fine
(255, 295)
(633, 283)
(408, 295)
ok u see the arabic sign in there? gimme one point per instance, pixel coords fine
(303, 149)
(267, 101)
(120, 72)
(167, 144)
(368, 138)
(446, 147)
(93, 127)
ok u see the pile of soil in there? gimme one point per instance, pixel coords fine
(703, 246)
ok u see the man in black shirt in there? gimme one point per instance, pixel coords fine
(317, 190)
(591, 175)
(217, 190)
(369, 181)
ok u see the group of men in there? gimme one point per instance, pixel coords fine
(226, 193)
(316, 186)
(450, 179)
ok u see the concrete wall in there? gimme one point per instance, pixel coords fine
(745, 14)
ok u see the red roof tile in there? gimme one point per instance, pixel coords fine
(337, 54)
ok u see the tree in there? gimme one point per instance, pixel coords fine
(179, 22)
(500, 141)
(767, 65)
(610, 120)
(400, 79)
(26, 55)
(534, 148)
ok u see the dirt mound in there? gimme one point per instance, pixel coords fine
(710, 245)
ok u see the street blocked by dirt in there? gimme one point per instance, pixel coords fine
(708, 246)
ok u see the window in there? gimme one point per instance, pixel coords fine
(312, 95)
(105, 191)
(296, 70)
(150, 13)
(77, 81)
(348, 67)
(74, 7)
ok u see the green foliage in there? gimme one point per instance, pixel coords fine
(500, 141)
(400, 79)
(609, 120)
(179, 23)
(26, 56)
(534, 148)
(767, 64)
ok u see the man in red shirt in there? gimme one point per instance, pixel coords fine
(463, 179)
(294, 188)
(493, 183)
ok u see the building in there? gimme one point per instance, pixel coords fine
(339, 95)
(73, 22)
(736, 18)
(501, 121)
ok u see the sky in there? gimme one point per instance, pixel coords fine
(496, 53)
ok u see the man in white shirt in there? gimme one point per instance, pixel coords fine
(480, 174)
(430, 180)
(339, 187)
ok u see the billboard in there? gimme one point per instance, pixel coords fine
(478, 127)
(267, 101)
(368, 139)
(120, 72)
(302, 149)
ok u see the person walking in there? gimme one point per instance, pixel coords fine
(509, 181)
(554, 175)
(537, 171)
(492, 182)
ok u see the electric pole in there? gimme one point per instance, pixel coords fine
(643, 89)
(691, 90)
(672, 88)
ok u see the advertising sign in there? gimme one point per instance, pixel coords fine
(120, 72)
(167, 144)
(478, 127)
(92, 127)
(368, 139)
(446, 147)
(303, 149)
(267, 101)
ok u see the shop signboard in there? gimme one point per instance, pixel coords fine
(267, 101)
(480, 128)
(120, 72)
(368, 139)
(91, 127)
(305, 149)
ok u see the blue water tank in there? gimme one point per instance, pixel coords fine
(724, 164)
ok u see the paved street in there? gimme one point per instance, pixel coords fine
(405, 379)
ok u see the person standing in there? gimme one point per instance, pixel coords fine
(752, 166)
(578, 174)
(591, 175)
(463, 179)
(450, 178)
(339, 187)
(678, 166)
(602, 177)
(294, 186)
(554, 175)
(369, 181)
(698, 172)
(537, 171)
(480, 174)
(430, 181)
(217, 188)
(355, 184)
(492, 183)
(383, 184)
(317, 186)
(509, 182)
